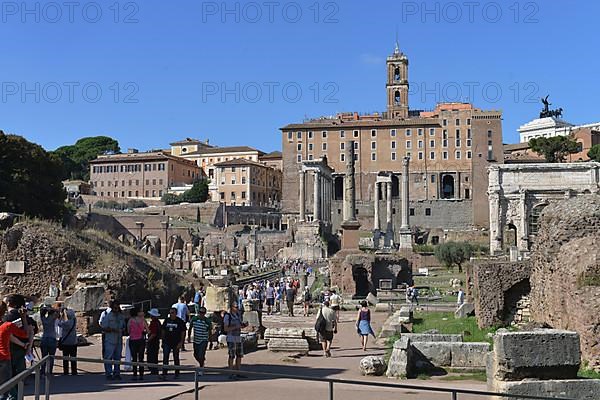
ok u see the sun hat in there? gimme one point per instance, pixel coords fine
(154, 312)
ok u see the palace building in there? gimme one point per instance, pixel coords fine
(450, 149)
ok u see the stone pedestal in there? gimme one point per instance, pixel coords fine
(350, 235)
(405, 238)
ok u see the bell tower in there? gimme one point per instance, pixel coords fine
(397, 84)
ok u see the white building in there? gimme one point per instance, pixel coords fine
(549, 127)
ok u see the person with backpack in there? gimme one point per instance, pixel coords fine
(49, 317)
(306, 297)
(326, 326)
(270, 295)
(232, 325)
(68, 339)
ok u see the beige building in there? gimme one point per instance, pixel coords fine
(140, 175)
(449, 150)
(243, 182)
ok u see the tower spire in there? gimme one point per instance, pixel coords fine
(397, 48)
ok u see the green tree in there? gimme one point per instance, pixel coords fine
(454, 253)
(30, 179)
(170, 199)
(554, 149)
(197, 194)
(76, 158)
(594, 153)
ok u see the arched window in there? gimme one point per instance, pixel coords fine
(338, 188)
(397, 74)
(447, 187)
(395, 187)
(397, 97)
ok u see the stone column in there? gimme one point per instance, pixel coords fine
(495, 226)
(405, 197)
(317, 197)
(523, 241)
(405, 232)
(376, 207)
(349, 189)
(388, 209)
(302, 206)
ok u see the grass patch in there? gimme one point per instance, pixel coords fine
(444, 322)
(586, 372)
(423, 376)
(473, 376)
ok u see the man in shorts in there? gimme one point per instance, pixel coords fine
(202, 327)
(232, 325)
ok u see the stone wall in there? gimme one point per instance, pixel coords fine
(565, 276)
(494, 286)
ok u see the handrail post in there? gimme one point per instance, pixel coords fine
(38, 371)
(21, 389)
(196, 394)
(47, 380)
(330, 390)
(454, 395)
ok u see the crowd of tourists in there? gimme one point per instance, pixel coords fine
(18, 329)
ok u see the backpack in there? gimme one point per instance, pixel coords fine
(321, 323)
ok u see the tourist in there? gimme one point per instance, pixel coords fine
(277, 297)
(290, 297)
(202, 326)
(68, 339)
(306, 297)
(153, 345)
(335, 300)
(460, 298)
(270, 295)
(103, 315)
(49, 317)
(414, 295)
(363, 324)
(17, 314)
(173, 335)
(137, 328)
(232, 325)
(197, 300)
(113, 326)
(13, 332)
(33, 326)
(183, 313)
(329, 327)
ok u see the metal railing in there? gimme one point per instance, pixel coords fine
(454, 393)
(19, 380)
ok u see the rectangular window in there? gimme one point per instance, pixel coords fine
(324, 146)
(355, 145)
(243, 180)
(342, 145)
(408, 144)
(324, 134)
(428, 212)
(457, 155)
(290, 134)
(299, 135)
(393, 144)
(432, 178)
(310, 134)
(411, 212)
(299, 146)
(342, 157)
(310, 157)
(420, 131)
(153, 182)
(392, 132)
(243, 194)
(299, 158)
(310, 147)
(457, 122)
(468, 121)
(222, 195)
(431, 131)
(355, 134)
(432, 143)
(373, 145)
(373, 156)
(373, 132)
(432, 155)
(420, 155)
(469, 155)
(420, 144)
(445, 155)
(489, 133)
(445, 122)
(408, 155)
(393, 157)
(408, 132)
(342, 134)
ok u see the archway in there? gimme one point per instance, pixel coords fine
(514, 298)
(404, 276)
(338, 188)
(447, 187)
(510, 236)
(361, 281)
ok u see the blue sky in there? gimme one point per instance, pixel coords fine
(147, 73)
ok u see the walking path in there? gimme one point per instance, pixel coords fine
(91, 384)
